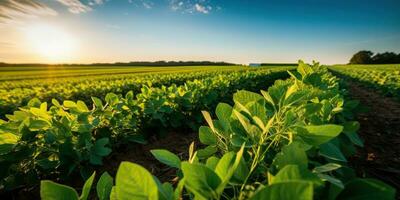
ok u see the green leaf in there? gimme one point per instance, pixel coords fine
(69, 104)
(338, 183)
(97, 102)
(39, 124)
(104, 186)
(304, 69)
(55, 103)
(200, 180)
(224, 164)
(50, 190)
(350, 130)
(291, 154)
(111, 98)
(166, 191)
(327, 168)
(208, 119)
(167, 157)
(206, 136)
(244, 97)
(7, 142)
(317, 135)
(364, 189)
(207, 152)
(286, 191)
(212, 162)
(223, 111)
(82, 106)
(99, 147)
(294, 173)
(135, 182)
(331, 151)
(87, 187)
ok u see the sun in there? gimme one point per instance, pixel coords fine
(52, 43)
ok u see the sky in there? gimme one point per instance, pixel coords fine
(239, 31)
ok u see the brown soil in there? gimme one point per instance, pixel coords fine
(177, 143)
(380, 130)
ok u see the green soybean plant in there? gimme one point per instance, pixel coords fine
(290, 142)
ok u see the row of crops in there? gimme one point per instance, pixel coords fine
(61, 139)
(385, 78)
(289, 142)
(14, 94)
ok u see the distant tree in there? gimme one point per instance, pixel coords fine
(385, 58)
(362, 57)
(398, 58)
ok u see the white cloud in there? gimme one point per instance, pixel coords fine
(96, 2)
(148, 4)
(201, 9)
(191, 6)
(75, 6)
(13, 11)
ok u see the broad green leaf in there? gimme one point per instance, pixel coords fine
(286, 191)
(244, 97)
(291, 154)
(331, 151)
(135, 182)
(268, 97)
(338, 183)
(167, 157)
(212, 162)
(8, 138)
(111, 98)
(317, 135)
(350, 130)
(69, 104)
(166, 191)
(207, 152)
(224, 164)
(304, 69)
(364, 189)
(50, 190)
(55, 103)
(39, 124)
(97, 102)
(87, 187)
(104, 186)
(231, 170)
(100, 147)
(224, 112)
(294, 173)
(206, 136)
(200, 180)
(82, 106)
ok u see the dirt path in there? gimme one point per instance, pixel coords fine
(380, 130)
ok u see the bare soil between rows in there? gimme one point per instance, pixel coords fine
(174, 142)
(380, 130)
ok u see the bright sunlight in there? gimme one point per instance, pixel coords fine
(52, 43)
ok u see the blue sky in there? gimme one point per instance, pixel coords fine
(218, 30)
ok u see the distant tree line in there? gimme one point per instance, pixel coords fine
(278, 64)
(368, 57)
(135, 63)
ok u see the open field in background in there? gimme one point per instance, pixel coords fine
(18, 85)
(385, 78)
(50, 72)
